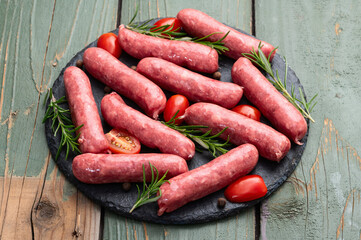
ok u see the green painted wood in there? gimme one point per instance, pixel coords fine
(321, 200)
(242, 226)
(37, 39)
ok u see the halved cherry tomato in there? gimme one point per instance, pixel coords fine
(246, 189)
(175, 103)
(248, 111)
(174, 24)
(120, 141)
(109, 42)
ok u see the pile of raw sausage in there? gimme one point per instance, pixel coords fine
(161, 67)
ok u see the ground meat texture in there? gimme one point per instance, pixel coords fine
(199, 24)
(194, 86)
(125, 81)
(149, 132)
(270, 143)
(84, 111)
(207, 178)
(192, 55)
(112, 168)
(273, 105)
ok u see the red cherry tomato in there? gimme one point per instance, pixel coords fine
(109, 42)
(174, 24)
(120, 141)
(175, 103)
(248, 111)
(246, 189)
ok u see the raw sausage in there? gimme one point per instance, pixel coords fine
(192, 55)
(207, 178)
(199, 24)
(271, 144)
(194, 86)
(273, 105)
(84, 111)
(111, 168)
(124, 80)
(149, 132)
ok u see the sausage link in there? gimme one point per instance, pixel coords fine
(194, 86)
(273, 105)
(111, 168)
(84, 111)
(192, 55)
(199, 24)
(124, 80)
(207, 178)
(149, 132)
(271, 144)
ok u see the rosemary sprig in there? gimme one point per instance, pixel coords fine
(150, 190)
(263, 62)
(172, 34)
(61, 121)
(205, 140)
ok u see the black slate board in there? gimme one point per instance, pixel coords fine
(203, 210)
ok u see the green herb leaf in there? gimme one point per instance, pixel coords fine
(205, 140)
(62, 124)
(148, 192)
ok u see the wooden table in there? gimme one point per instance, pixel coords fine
(321, 40)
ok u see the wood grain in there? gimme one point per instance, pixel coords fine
(242, 226)
(37, 39)
(322, 198)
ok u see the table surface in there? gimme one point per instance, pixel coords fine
(320, 200)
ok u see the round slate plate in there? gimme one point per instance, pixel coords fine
(114, 198)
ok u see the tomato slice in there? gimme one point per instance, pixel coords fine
(120, 141)
(246, 189)
(175, 103)
(109, 42)
(174, 24)
(248, 111)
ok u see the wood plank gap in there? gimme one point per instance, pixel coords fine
(253, 20)
(257, 231)
(39, 194)
(101, 227)
(119, 15)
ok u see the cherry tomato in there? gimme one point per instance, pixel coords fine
(109, 42)
(174, 24)
(248, 111)
(246, 189)
(120, 141)
(175, 103)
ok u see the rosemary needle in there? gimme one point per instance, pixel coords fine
(263, 62)
(62, 123)
(205, 140)
(150, 190)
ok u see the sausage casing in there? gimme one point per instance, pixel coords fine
(273, 105)
(150, 132)
(194, 86)
(125, 81)
(192, 55)
(111, 168)
(207, 178)
(84, 111)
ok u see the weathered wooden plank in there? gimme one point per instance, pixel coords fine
(234, 13)
(321, 200)
(37, 39)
